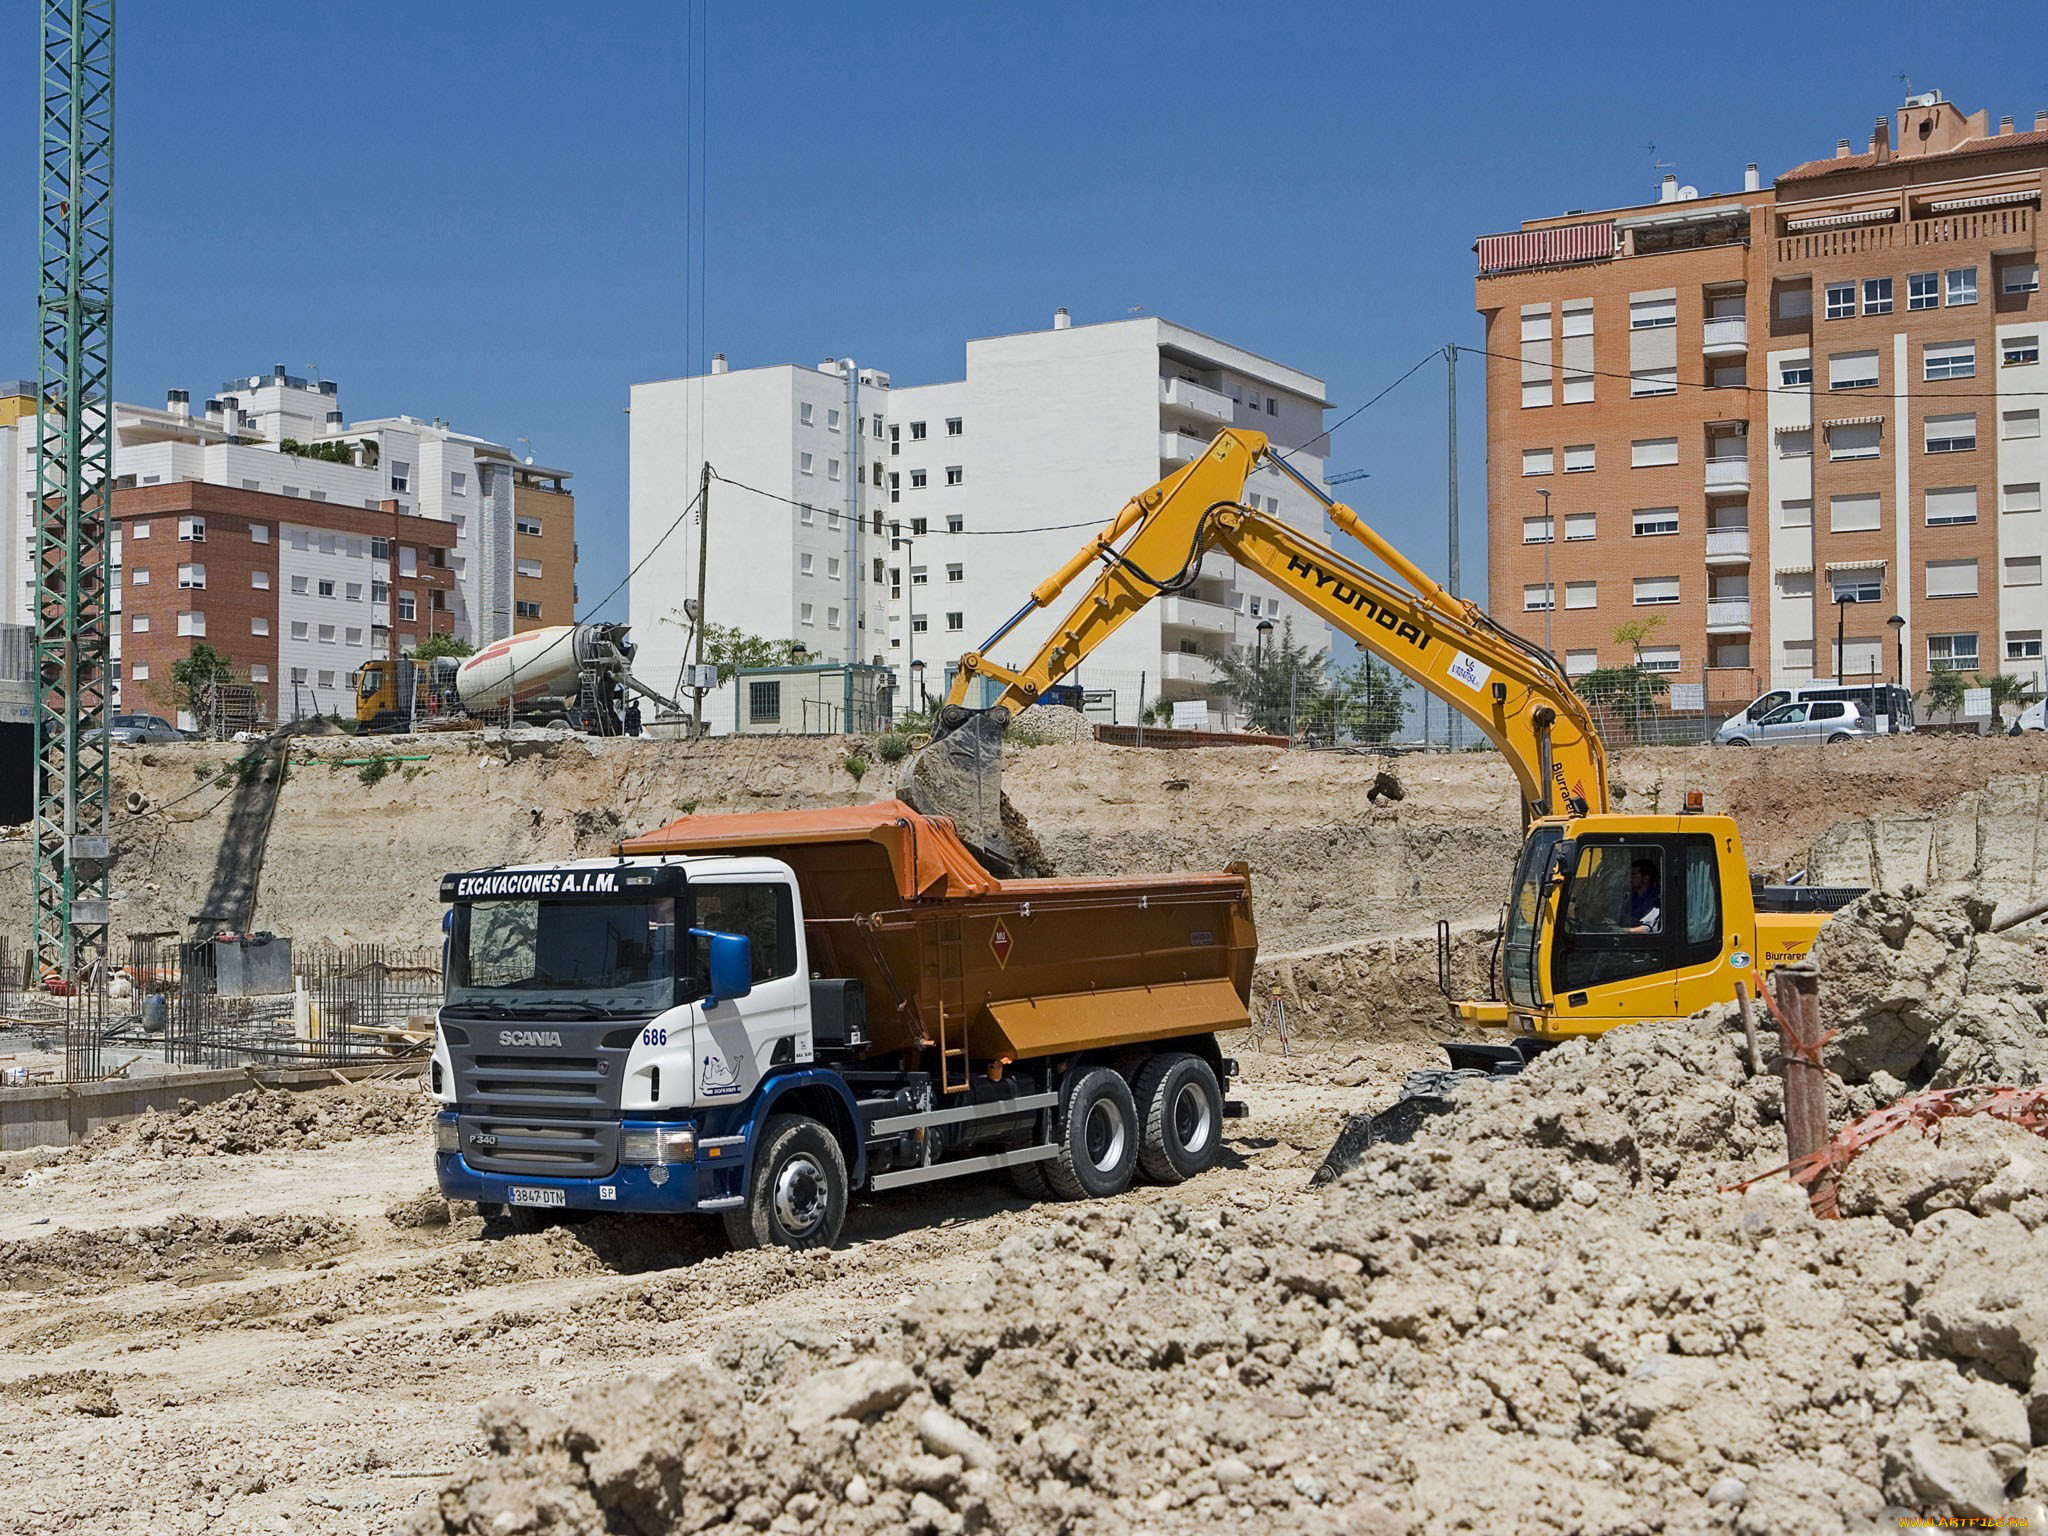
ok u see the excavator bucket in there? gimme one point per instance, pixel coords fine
(960, 776)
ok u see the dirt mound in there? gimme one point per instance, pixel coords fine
(1543, 1315)
(184, 1248)
(264, 1120)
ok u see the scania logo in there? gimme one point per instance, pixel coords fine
(482, 1139)
(529, 1037)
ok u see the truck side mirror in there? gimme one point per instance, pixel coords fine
(732, 965)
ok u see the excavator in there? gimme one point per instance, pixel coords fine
(1610, 918)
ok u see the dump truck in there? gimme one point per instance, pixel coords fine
(566, 674)
(757, 1016)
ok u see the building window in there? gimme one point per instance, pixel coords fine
(919, 623)
(1795, 445)
(2023, 570)
(953, 474)
(1951, 578)
(2023, 645)
(1841, 301)
(1795, 514)
(1653, 381)
(1951, 505)
(917, 527)
(832, 567)
(300, 585)
(1578, 526)
(1795, 373)
(259, 533)
(831, 469)
(1652, 522)
(527, 568)
(325, 589)
(138, 578)
(408, 607)
(831, 618)
(401, 475)
(300, 629)
(380, 549)
(1659, 658)
(1859, 586)
(191, 576)
(895, 486)
(1535, 530)
(1537, 598)
(803, 563)
(804, 614)
(956, 621)
(1855, 439)
(1952, 434)
(1653, 312)
(1582, 594)
(953, 426)
(1948, 360)
(1579, 663)
(875, 426)
(191, 623)
(1537, 461)
(325, 634)
(806, 514)
(764, 703)
(2020, 277)
(291, 490)
(1535, 392)
(1655, 591)
(1795, 301)
(1962, 285)
(917, 479)
(1877, 296)
(298, 677)
(352, 591)
(1855, 514)
(458, 483)
(139, 672)
(956, 522)
(917, 433)
(1578, 458)
(2019, 424)
(139, 624)
(191, 530)
(832, 519)
(259, 626)
(917, 576)
(803, 464)
(1852, 370)
(1923, 290)
(1653, 452)
(956, 572)
(352, 635)
(2024, 496)
(2019, 351)
(527, 525)
(1952, 653)
(526, 610)
(832, 420)
(805, 414)
(259, 673)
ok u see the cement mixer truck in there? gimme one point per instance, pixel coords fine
(566, 674)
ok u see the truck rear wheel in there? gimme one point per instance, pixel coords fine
(796, 1196)
(1097, 1135)
(1180, 1109)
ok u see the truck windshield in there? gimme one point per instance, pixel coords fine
(585, 957)
(1522, 945)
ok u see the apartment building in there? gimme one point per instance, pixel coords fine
(1800, 424)
(973, 491)
(513, 559)
(296, 594)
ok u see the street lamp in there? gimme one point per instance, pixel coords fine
(1549, 592)
(1842, 602)
(1898, 624)
(917, 671)
(1265, 628)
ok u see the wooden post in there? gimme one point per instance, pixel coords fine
(1752, 1061)
(1806, 1084)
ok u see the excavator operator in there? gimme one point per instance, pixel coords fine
(1645, 901)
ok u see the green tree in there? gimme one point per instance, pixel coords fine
(1369, 701)
(441, 645)
(194, 677)
(1633, 632)
(1275, 683)
(732, 649)
(1628, 693)
(2007, 688)
(1944, 692)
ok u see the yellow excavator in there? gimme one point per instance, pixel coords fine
(1610, 918)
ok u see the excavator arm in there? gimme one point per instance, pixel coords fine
(1511, 689)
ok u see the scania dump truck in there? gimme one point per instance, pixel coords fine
(757, 1016)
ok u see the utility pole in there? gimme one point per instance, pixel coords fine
(74, 491)
(703, 552)
(853, 615)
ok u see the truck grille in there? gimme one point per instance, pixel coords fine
(551, 1112)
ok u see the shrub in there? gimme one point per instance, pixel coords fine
(856, 766)
(892, 746)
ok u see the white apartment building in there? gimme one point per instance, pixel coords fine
(984, 486)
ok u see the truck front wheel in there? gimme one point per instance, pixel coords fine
(1097, 1135)
(796, 1197)
(1180, 1111)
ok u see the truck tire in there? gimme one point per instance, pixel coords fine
(1030, 1180)
(1180, 1113)
(796, 1195)
(1096, 1131)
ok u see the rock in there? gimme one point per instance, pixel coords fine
(1231, 1473)
(97, 1401)
(944, 1435)
(857, 1490)
(1731, 1491)
(857, 1391)
(1926, 1475)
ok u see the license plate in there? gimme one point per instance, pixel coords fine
(524, 1196)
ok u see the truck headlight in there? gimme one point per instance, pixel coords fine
(658, 1144)
(447, 1136)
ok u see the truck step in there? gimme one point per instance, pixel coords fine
(965, 1165)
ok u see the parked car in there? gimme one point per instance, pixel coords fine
(2033, 718)
(133, 730)
(1821, 720)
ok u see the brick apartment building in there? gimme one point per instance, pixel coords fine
(1781, 414)
(297, 594)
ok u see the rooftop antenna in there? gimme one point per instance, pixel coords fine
(529, 447)
(1660, 165)
(1137, 309)
(1907, 81)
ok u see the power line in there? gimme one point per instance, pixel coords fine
(964, 533)
(1428, 357)
(1804, 391)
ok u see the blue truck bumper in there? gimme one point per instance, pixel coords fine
(657, 1188)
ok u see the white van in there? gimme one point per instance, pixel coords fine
(1887, 707)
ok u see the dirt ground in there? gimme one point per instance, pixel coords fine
(252, 1343)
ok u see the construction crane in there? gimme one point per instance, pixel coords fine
(74, 435)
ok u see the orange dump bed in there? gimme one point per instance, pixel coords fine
(955, 960)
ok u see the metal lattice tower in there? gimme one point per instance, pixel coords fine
(75, 319)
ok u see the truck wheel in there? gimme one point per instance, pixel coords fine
(1097, 1135)
(1030, 1180)
(796, 1197)
(1180, 1110)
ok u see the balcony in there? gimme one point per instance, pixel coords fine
(1727, 546)
(1183, 447)
(1728, 616)
(1727, 336)
(1180, 667)
(2014, 225)
(1193, 613)
(1727, 472)
(1188, 399)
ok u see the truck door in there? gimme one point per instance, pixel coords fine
(770, 1026)
(1708, 948)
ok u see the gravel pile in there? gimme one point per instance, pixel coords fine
(265, 1120)
(182, 1247)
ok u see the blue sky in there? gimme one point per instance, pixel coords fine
(476, 210)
